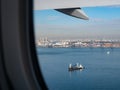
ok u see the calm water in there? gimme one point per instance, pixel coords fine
(102, 70)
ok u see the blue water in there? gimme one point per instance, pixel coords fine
(102, 70)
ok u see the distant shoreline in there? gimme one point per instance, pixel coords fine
(46, 43)
(81, 47)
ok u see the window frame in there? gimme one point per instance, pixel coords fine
(18, 46)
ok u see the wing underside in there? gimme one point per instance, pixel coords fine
(58, 4)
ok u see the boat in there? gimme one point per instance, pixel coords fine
(108, 52)
(75, 67)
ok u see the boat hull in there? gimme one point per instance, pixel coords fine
(75, 68)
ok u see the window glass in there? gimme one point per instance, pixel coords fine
(77, 54)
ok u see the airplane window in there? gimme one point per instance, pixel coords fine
(79, 53)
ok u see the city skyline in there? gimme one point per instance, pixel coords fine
(104, 22)
(47, 43)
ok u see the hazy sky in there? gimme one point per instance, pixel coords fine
(103, 23)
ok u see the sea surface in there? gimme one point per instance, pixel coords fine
(102, 68)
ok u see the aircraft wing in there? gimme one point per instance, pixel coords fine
(57, 4)
(69, 6)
